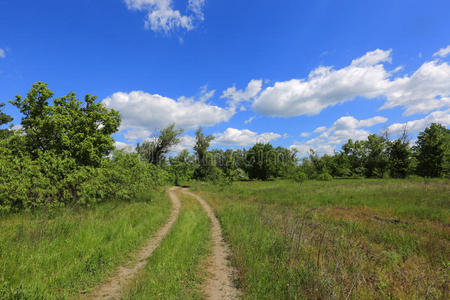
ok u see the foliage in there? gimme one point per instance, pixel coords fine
(399, 154)
(263, 161)
(204, 159)
(433, 151)
(155, 151)
(67, 128)
(300, 176)
(324, 177)
(4, 119)
(182, 167)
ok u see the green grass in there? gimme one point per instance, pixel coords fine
(355, 239)
(45, 255)
(174, 270)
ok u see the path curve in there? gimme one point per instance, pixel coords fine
(220, 284)
(112, 289)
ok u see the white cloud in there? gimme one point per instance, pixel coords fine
(305, 134)
(342, 129)
(186, 142)
(2, 53)
(142, 112)
(443, 52)
(425, 90)
(320, 129)
(162, 17)
(442, 117)
(124, 146)
(249, 120)
(205, 95)
(245, 137)
(236, 96)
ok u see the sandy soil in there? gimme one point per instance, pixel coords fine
(219, 285)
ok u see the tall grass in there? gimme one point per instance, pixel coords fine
(345, 239)
(45, 255)
(174, 270)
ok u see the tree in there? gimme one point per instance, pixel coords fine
(156, 150)
(433, 151)
(356, 156)
(263, 160)
(376, 160)
(4, 119)
(68, 128)
(399, 155)
(201, 152)
(182, 166)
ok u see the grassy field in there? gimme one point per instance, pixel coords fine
(174, 271)
(345, 239)
(59, 255)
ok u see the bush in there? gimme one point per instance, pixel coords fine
(54, 181)
(324, 177)
(300, 176)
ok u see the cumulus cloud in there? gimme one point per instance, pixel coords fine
(162, 17)
(443, 52)
(320, 129)
(249, 120)
(342, 129)
(124, 146)
(143, 112)
(244, 137)
(236, 96)
(442, 117)
(425, 90)
(305, 134)
(2, 53)
(187, 142)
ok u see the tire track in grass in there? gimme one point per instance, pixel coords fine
(112, 289)
(176, 270)
(219, 285)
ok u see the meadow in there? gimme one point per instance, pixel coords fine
(62, 253)
(344, 239)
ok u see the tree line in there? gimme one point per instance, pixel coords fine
(64, 154)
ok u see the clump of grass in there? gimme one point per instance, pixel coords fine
(174, 270)
(45, 255)
(352, 239)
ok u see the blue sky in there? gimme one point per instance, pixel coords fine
(301, 74)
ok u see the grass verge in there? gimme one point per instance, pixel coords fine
(173, 271)
(346, 239)
(58, 255)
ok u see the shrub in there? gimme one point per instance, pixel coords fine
(300, 176)
(324, 177)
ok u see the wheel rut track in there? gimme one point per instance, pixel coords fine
(219, 284)
(112, 289)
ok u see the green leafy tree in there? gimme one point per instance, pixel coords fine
(263, 160)
(376, 159)
(400, 155)
(155, 151)
(204, 160)
(68, 128)
(356, 156)
(433, 151)
(4, 119)
(182, 166)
